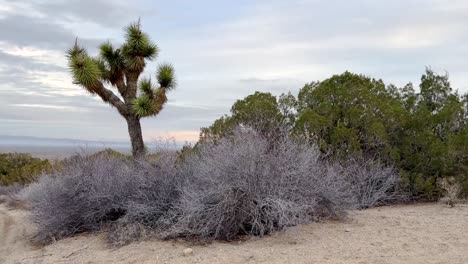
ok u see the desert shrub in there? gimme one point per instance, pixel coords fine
(242, 184)
(91, 192)
(21, 168)
(157, 189)
(452, 191)
(108, 152)
(371, 182)
(247, 184)
(6, 190)
(10, 195)
(82, 196)
(463, 182)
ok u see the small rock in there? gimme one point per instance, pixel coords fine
(347, 230)
(188, 252)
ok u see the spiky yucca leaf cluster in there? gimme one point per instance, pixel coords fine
(151, 100)
(86, 70)
(147, 87)
(113, 63)
(143, 106)
(165, 75)
(137, 48)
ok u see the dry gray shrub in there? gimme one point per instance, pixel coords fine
(157, 189)
(89, 193)
(247, 183)
(371, 183)
(10, 195)
(7, 190)
(86, 193)
(451, 191)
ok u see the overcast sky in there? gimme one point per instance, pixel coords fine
(223, 50)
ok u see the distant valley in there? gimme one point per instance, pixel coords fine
(57, 147)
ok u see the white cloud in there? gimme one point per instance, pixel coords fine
(45, 106)
(53, 57)
(270, 45)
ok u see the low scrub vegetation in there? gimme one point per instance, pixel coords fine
(91, 191)
(10, 195)
(243, 184)
(21, 168)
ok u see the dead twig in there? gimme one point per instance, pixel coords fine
(76, 252)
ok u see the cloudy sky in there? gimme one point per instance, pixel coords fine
(222, 50)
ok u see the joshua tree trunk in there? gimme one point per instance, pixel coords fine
(134, 130)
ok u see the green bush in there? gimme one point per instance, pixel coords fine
(21, 168)
(424, 133)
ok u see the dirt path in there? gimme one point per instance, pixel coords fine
(430, 233)
(14, 233)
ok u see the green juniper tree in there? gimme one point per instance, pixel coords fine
(423, 134)
(259, 110)
(121, 68)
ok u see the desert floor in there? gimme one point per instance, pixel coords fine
(424, 233)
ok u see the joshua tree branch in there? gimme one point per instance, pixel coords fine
(109, 97)
(121, 87)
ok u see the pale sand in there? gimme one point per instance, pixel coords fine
(428, 233)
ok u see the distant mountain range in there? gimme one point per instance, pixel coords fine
(63, 147)
(50, 142)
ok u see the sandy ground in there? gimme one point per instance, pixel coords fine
(428, 233)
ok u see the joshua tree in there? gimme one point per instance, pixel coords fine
(121, 68)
